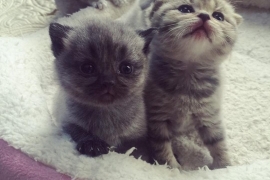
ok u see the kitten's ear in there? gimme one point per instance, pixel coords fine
(156, 6)
(58, 33)
(238, 18)
(148, 35)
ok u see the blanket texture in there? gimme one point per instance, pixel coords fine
(16, 165)
(265, 4)
(18, 17)
(27, 88)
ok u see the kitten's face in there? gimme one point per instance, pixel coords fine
(102, 64)
(198, 27)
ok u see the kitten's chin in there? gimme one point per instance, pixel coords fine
(106, 99)
(199, 35)
(102, 101)
(199, 32)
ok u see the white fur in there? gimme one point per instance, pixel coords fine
(27, 86)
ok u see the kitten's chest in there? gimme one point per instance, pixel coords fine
(114, 125)
(108, 125)
(183, 117)
(188, 80)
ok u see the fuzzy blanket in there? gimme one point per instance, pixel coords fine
(27, 87)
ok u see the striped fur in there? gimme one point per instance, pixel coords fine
(184, 86)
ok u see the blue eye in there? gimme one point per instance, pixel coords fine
(218, 15)
(186, 9)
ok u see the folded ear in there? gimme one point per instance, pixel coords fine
(148, 35)
(58, 33)
(238, 18)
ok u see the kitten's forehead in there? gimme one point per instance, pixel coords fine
(206, 5)
(101, 40)
(212, 5)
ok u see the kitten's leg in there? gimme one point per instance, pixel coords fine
(190, 155)
(98, 4)
(161, 146)
(213, 136)
(87, 143)
(119, 2)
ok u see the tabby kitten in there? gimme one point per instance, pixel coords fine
(101, 66)
(67, 7)
(184, 86)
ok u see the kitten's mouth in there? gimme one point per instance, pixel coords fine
(107, 95)
(106, 98)
(199, 31)
(201, 28)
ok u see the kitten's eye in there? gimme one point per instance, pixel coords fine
(186, 9)
(87, 68)
(125, 68)
(218, 15)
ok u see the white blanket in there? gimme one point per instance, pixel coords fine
(27, 87)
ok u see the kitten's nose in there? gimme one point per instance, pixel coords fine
(204, 17)
(108, 81)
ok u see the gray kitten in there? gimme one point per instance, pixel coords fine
(184, 86)
(67, 7)
(102, 67)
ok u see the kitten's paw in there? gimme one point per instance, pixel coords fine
(220, 162)
(98, 5)
(174, 164)
(93, 146)
(118, 2)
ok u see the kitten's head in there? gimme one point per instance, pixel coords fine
(99, 63)
(196, 28)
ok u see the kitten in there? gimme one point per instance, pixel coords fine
(135, 16)
(102, 66)
(184, 85)
(67, 7)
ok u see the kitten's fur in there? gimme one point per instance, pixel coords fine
(184, 86)
(67, 7)
(104, 108)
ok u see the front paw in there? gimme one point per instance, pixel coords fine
(92, 146)
(220, 162)
(118, 2)
(98, 4)
(172, 163)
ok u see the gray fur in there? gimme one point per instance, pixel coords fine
(68, 7)
(104, 108)
(184, 86)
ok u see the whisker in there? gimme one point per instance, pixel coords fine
(168, 25)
